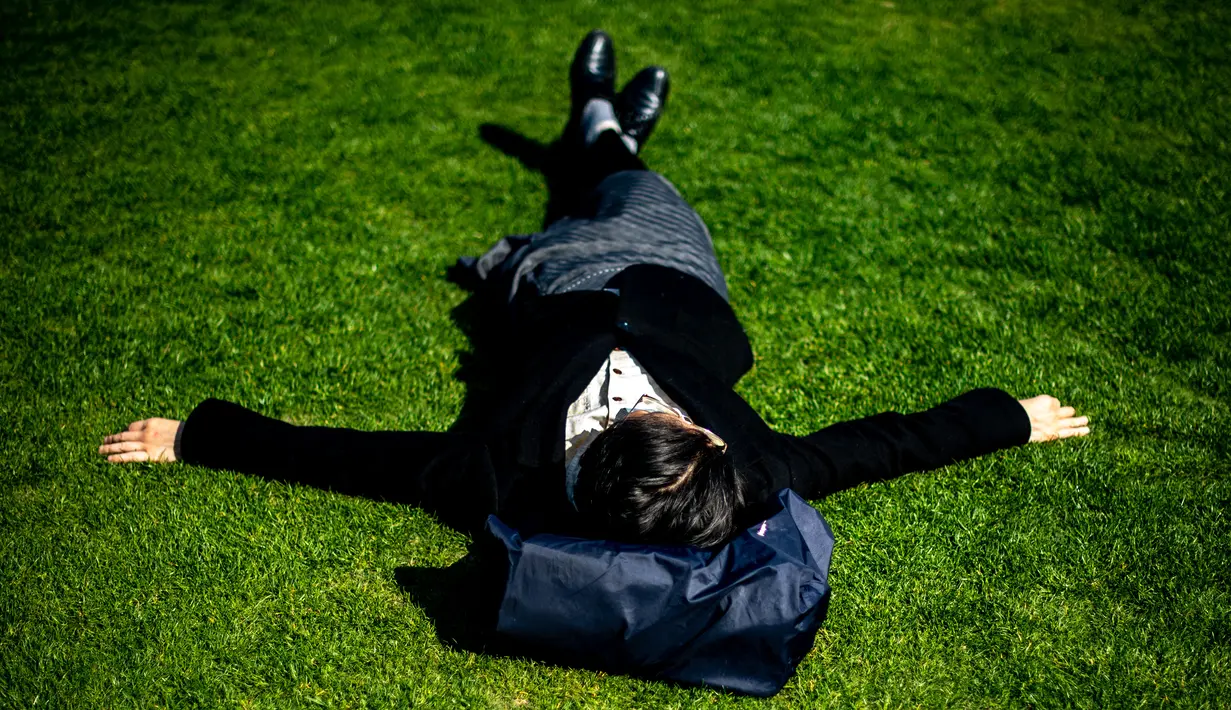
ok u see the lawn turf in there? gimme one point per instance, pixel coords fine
(258, 201)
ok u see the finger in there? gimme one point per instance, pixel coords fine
(1078, 431)
(124, 436)
(138, 426)
(129, 457)
(1066, 412)
(1073, 423)
(121, 446)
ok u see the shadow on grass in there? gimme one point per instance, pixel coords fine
(461, 600)
(553, 160)
(483, 316)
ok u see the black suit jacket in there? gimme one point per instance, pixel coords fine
(510, 460)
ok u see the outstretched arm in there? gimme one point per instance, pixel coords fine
(890, 444)
(449, 474)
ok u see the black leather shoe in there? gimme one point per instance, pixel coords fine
(641, 103)
(592, 75)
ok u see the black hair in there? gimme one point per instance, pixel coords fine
(651, 479)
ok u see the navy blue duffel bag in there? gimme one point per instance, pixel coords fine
(738, 617)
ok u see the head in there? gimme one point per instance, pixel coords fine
(653, 477)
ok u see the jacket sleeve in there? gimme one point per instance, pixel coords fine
(890, 444)
(449, 474)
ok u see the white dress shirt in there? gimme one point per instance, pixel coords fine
(613, 390)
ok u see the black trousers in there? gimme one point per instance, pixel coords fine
(580, 170)
(605, 156)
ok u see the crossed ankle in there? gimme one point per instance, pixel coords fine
(597, 117)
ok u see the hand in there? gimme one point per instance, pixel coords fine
(146, 440)
(1049, 421)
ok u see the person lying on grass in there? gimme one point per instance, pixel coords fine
(614, 414)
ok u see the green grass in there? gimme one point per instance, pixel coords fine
(257, 201)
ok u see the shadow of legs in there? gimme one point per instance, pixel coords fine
(482, 317)
(554, 161)
(464, 598)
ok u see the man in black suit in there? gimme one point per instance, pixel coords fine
(621, 421)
